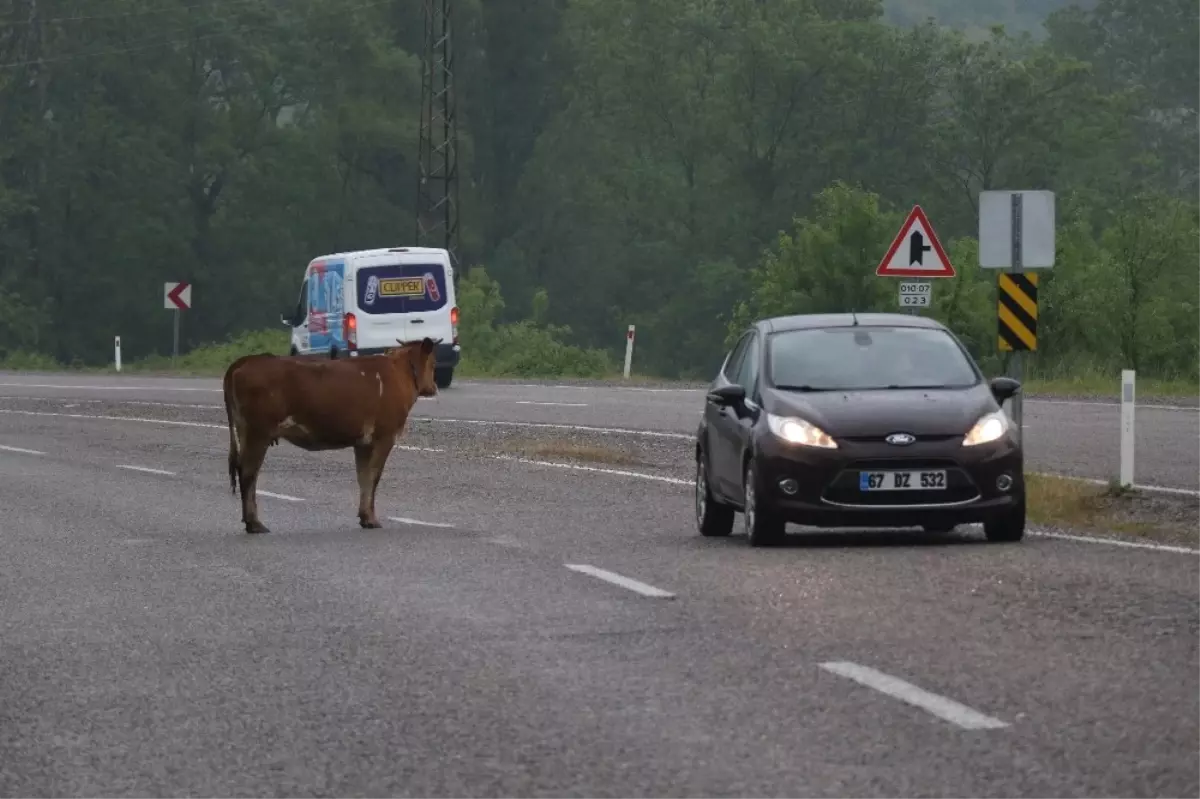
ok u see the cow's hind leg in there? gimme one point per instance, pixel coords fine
(368, 463)
(253, 454)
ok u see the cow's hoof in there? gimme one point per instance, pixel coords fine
(256, 527)
(369, 525)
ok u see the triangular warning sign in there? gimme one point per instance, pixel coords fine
(916, 251)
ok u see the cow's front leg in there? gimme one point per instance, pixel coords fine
(369, 462)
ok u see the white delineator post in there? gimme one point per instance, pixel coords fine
(628, 350)
(1128, 402)
(117, 352)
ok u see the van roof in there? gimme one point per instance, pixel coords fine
(383, 251)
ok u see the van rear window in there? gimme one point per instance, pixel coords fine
(401, 288)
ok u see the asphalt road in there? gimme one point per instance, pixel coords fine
(472, 647)
(1079, 438)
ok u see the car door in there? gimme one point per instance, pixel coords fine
(722, 424)
(299, 320)
(741, 422)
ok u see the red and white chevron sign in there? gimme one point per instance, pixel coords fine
(177, 296)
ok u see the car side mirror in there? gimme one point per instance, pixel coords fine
(727, 395)
(1004, 388)
(287, 322)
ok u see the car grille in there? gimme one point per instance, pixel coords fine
(843, 489)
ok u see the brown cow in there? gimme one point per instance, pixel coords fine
(319, 405)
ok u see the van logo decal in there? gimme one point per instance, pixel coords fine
(431, 287)
(372, 290)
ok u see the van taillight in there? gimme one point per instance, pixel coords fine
(350, 331)
(454, 323)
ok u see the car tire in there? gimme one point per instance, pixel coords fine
(443, 377)
(763, 527)
(714, 519)
(1007, 527)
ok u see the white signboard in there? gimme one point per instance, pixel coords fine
(915, 294)
(1036, 231)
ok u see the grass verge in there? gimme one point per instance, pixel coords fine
(1079, 505)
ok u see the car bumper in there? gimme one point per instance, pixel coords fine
(828, 494)
(446, 355)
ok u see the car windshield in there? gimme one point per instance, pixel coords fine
(868, 357)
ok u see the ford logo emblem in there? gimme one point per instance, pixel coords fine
(900, 439)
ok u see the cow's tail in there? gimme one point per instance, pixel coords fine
(234, 456)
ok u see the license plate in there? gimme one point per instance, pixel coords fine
(402, 287)
(920, 480)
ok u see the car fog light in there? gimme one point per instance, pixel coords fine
(789, 486)
(1004, 482)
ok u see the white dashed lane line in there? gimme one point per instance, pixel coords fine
(627, 583)
(658, 478)
(21, 450)
(945, 709)
(555, 404)
(406, 520)
(286, 497)
(145, 469)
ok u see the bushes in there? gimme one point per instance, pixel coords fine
(530, 348)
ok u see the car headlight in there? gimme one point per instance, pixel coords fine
(987, 429)
(798, 431)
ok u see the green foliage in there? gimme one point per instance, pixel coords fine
(214, 358)
(526, 348)
(681, 165)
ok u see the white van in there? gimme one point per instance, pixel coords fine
(363, 302)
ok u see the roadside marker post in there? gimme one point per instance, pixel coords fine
(1016, 232)
(1128, 404)
(906, 257)
(177, 297)
(117, 352)
(628, 350)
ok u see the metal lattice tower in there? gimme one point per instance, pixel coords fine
(437, 178)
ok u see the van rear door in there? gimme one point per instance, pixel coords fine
(406, 301)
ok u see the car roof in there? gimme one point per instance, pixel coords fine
(779, 324)
(382, 251)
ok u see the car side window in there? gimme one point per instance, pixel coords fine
(748, 371)
(734, 365)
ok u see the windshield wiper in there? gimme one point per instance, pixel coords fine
(802, 388)
(915, 388)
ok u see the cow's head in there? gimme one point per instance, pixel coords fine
(422, 355)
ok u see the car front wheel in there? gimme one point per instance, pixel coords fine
(763, 527)
(713, 518)
(1007, 527)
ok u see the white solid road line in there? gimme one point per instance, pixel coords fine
(111, 388)
(1116, 542)
(557, 404)
(1146, 406)
(21, 450)
(558, 426)
(940, 706)
(1186, 492)
(287, 497)
(658, 478)
(580, 468)
(406, 520)
(616, 579)
(146, 469)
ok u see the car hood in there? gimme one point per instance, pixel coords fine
(853, 414)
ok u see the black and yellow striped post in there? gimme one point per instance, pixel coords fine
(1017, 311)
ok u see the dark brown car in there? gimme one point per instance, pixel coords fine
(856, 420)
